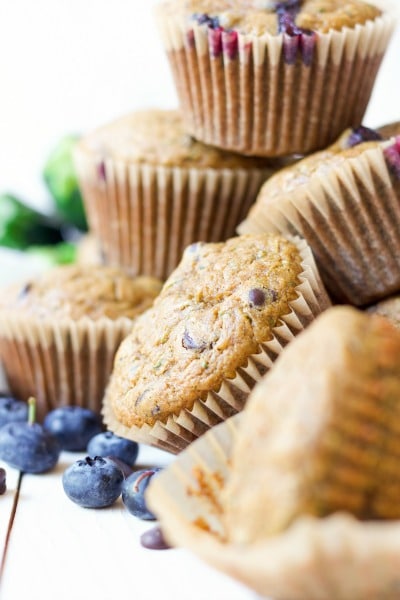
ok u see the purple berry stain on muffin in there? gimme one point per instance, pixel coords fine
(362, 134)
(297, 40)
(101, 171)
(392, 157)
(220, 40)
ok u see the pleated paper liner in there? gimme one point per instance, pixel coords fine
(146, 216)
(182, 429)
(272, 95)
(350, 216)
(333, 558)
(61, 362)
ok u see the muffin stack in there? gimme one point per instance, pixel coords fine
(260, 85)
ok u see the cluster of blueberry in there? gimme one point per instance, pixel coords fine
(96, 481)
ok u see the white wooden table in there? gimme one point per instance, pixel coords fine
(51, 548)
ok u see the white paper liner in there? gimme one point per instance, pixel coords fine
(61, 362)
(258, 104)
(350, 216)
(146, 216)
(182, 429)
(335, 558)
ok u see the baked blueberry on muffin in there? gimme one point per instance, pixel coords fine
(345, 201)
(273, 78)
(150, 190)
(219, 322)
(60, 331)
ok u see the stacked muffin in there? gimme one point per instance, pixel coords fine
(259, 85)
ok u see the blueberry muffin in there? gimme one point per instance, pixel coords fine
(345, 202)
(219, 322)
(59, 332)
(296, 496)
(271, 78)
(150, 190)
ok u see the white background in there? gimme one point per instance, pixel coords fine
(72, 65)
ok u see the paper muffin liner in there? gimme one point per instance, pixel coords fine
(183, 428)
(272, 95)
(350, 216)
(61, 362)
(337, 557)
(145, 216)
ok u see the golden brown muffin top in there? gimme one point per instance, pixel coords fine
(73, 292)
(158, 137)
(290, 178)
(257, 17)
(389, 308)
(215, 309)
(320, 432)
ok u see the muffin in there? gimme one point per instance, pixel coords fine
(272, 78)
(59, 332)
(388, 308)
(345, 202)
(150, 190)
(297, 495)
(218, 324)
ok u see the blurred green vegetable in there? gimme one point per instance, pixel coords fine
(63, 253)
(60, 177)
(22, 226)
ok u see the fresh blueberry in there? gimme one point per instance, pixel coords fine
(93, 482)
(133, 490)
(3, 485)
(73, 426)
(362, 134)
(12, 410)
(109, 444)
(153, 539)
(28, 447)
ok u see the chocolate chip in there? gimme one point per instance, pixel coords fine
(259, 297)
(153, 539)
(3, 486)
(190, 344)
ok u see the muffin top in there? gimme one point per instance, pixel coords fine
(158, 137)
(215, 309)
(389, 308)
(257, 17)
(352, 143)
(325, 438)
(73, 292)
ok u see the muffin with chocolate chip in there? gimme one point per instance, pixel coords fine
(273, 78)
(219, 322)
(59, 332)
(297, 496)
(150, 190)
(345, 202)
